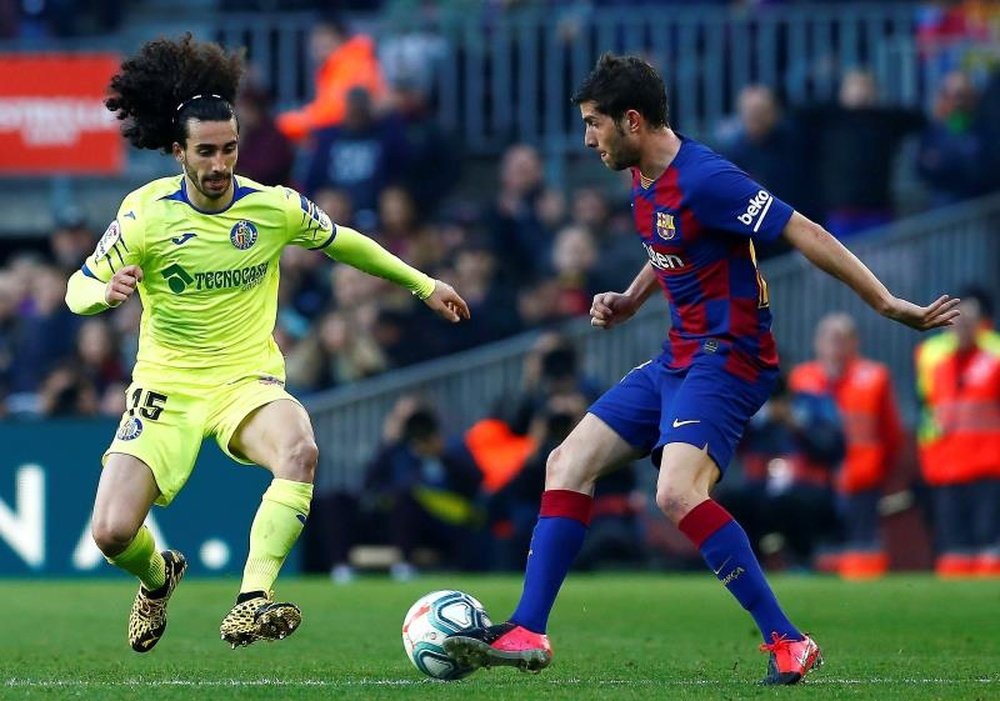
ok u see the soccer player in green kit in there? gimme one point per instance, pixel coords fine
(202, 250)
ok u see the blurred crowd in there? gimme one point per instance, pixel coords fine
(838, 163)
(818, 463)
(76, 18)
(525, 254)
(470, 501)
(826, 477)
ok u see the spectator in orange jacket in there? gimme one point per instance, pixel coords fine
(345, 62)
(958, 378)
(863, 392)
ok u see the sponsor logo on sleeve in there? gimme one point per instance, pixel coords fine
(108, 240)
(314, 212)
(756, 210)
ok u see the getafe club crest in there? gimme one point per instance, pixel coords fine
(129, 429)
(665, 228)
(243, 234)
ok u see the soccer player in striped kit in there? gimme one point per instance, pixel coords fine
(697, 216)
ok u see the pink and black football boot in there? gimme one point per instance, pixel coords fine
(505, 644)
(791, 660)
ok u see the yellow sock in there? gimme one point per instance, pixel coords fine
(277, 525)
(142, 559)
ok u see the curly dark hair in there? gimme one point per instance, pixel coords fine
(621, 83)
(166, 74)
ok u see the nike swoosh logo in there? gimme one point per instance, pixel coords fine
(183, 237)
(678, 424)
(722, 566)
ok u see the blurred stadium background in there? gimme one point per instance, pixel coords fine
(447, 134)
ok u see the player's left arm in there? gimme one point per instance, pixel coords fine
(827, 253)
(357, 250)
(310, 227)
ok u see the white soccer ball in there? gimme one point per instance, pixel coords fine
(433, 618)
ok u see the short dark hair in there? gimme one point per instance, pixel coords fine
(559, 362)
(421, 425)
(621, 83)
(154, 90)
(333, 21)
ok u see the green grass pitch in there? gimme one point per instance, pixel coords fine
(620, 636)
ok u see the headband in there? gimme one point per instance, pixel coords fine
(200, 97)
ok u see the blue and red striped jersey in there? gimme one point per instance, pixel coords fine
(697, 222)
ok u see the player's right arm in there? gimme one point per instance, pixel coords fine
(611, 308)
(111, 273)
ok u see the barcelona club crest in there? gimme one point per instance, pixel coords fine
(243, 234)
(665, 228)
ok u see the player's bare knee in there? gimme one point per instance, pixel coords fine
(671, 499)
(676, 496)
(112, 535)
(563, 470)
(298, 460)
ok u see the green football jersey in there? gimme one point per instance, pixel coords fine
(210, 279)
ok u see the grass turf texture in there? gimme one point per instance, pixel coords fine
(615, 637)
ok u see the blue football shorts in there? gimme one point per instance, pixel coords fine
(702, 405)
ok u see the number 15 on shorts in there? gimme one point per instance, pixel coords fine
(147, 403)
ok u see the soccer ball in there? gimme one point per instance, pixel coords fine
(430, 620)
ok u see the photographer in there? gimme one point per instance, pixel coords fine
(791, 449)
(426, 494)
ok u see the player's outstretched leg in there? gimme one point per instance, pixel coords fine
(591, 448)
(521, 642)
(790, 660)
(256, 616)
(148, 619)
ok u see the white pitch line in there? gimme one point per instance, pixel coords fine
(327, 683)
